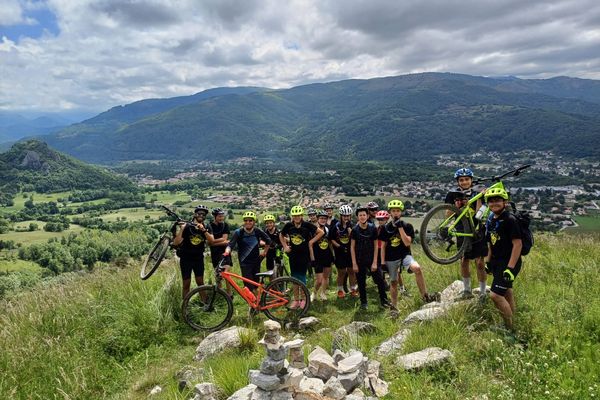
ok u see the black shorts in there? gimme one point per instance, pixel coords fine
(189, 264)
(216, 256)
(499, 284)
(478, 249)
(249, 271)
(343, 260)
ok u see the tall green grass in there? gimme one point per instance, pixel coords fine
(110, 335)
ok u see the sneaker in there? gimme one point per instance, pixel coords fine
(386, 304)
(482, 298)
(301, 304)
(341, 294)
(364, 306)
(294, 304)
(323, 296)
(466, 294)
(394, 313)
(354, 293)
(313, 297)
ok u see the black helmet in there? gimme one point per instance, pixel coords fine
(217, 211)
(322, 213)
(311, 211)
(328, 206)
(201, 208)
(359, 209)
(372, 205)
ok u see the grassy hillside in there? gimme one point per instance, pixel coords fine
(111, 335)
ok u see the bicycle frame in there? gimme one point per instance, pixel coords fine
(278, 300)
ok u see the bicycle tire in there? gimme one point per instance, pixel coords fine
(437, 244)
(284, 287)
(155, 257)
(207, 308)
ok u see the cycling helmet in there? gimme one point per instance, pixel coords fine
(311, 211)
(328, 206)
(372, 205)
(249, 215)
(322, 213)
(296, 210)
(269, 217)
(218, 211)
(395, 204)
(496, 192)
(201, 208)
(345, 210)
(382, 214)
(359, 209)
(463, 172)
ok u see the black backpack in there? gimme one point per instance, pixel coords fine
(524, 220)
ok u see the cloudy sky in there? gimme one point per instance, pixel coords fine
(93, 54)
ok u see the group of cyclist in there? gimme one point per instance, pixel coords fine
(378, 242)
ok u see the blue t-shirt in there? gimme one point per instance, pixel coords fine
(247, 244)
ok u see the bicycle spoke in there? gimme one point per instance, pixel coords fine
(207, 308)
(439, 234)
(285, 299)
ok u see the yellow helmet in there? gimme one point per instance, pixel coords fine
(296, 210)
(496, 192)
(269, 217)
(395, 204)
(248, 215)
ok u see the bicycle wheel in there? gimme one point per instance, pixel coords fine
(155, 257)
(287, 299)
(280, 268)
(207, 308)
(439, 242)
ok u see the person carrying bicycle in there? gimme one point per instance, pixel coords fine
(478, 250)
(339, 235)
(364, 253)
(273, 232)
(220, 232)
(247, 241)
(397, 236)
(190, 239)
(321, 258)
(504, 236)
(302, 236)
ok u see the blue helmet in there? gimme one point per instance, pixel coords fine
(463, 172)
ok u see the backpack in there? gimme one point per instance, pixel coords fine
(524, 219)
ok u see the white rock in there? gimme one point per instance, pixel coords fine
(155, 390)
(339, 355)
(263, 381)
(321, 364)
(373, 367)
(425, 315)
(206, 391)
(308, 322)
(424, 358)
(452, 291)
(379, 387)
(244, 393)
(216, 342)
(314, 385)
(350, 364)
(393, 344)
(352, 380)
(350, 332)
(294, 377)
(281, 395)
(334, 389)
(260, 394)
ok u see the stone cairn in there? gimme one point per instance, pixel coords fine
(343, 376)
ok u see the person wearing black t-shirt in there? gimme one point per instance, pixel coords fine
(364, 253)
(190, 239)
(504, 236)
(273, 232)
(339, 234)
(478, 250)
(397, 236)
(321, 258)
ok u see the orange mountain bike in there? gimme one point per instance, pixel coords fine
(209, 308)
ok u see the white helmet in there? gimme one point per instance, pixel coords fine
(345, 210)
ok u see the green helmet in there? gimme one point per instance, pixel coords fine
(248, 215)
(395, 204)
(269, 217)
(496, 192)
(296, 210)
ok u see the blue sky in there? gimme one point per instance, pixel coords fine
(90, 55)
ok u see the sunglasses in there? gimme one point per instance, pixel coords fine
(248, 220)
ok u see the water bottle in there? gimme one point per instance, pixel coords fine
(481, 212)
(248, 293)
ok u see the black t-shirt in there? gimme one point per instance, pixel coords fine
(341, 235)
(218, 230)
(395, 249)
(500, 232)
(248, 244)
(457, 193)
(365, 242)
(321, 248)
(274, 238)
(193, 241)
(299, 237)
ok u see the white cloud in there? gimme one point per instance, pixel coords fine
(111, 52)
(10, 13)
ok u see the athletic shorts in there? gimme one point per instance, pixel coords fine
(189, 264)
(478, 249)
(395, 267)
(499, 284)
(249, 271)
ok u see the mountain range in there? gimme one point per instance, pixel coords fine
(410, 117)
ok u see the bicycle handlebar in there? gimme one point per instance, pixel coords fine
(515, 172)
(172, 213)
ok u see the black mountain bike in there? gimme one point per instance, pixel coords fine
(158, 252)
